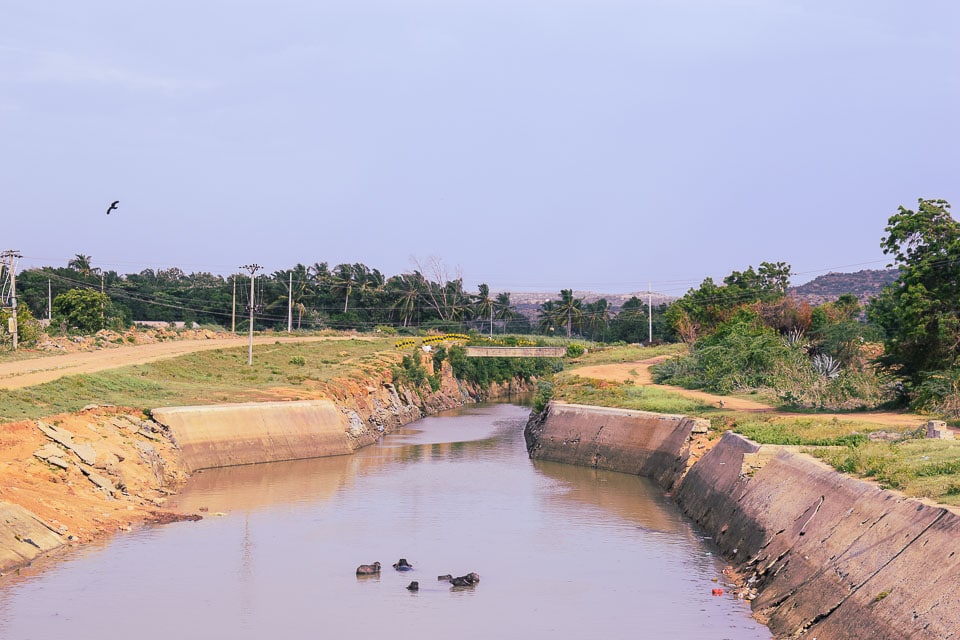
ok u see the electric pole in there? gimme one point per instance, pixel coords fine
(252, 268)
(650, 311)
(12, 255)
(233, 314)
(49, 302)
(290, 305)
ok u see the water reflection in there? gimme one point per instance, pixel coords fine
(565, 551)
(618, 495)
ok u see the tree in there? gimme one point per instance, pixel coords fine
(342, 281)
(920, 311)
(700, 310)
(443, 292)
(631, 323)
(483, 305)
(83, 309)
(405, 290)
(504, 310)
(597, 318)
(82, 265)
(569, 309)
(547, 317)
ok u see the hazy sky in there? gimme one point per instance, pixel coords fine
(536, 144)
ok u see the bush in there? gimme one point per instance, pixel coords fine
(543, 396)
(410, 371)
(575, 350)
(29, 328)
(298, 361)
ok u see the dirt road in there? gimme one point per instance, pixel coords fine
(639, 373)
(26, 373)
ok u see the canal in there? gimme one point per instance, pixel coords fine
(562, 552)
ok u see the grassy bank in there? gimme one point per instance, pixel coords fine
(208, 377)
(915, 466)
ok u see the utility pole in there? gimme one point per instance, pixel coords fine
(252, 268)
(49, 302)
(12, 255)
(233, 314)
(290, 305)
(650, 311)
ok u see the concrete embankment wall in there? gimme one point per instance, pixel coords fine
(832, 557)
(23, 537)
(235, 434)
(642, 443)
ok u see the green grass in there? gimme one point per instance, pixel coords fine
(206, 377)
(628, 353)
(918, 468)
(625, 396)
(803, 431)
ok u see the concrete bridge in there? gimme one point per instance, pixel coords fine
(516, 352)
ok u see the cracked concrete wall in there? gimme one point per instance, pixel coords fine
(638, 442)
(831, 556)
(23, 537)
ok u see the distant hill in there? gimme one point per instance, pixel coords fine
(864, 284)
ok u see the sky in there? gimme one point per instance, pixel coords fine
(532, 145)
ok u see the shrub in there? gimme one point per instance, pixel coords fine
(575, 350)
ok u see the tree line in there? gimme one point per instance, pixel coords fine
(81, 297)
(744, 332)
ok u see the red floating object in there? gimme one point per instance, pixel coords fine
(717, 592)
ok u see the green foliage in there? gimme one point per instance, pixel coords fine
(484, 371)
(744, 354)
(918, 467)
(602, 393)
(439, 355)
(410, 371)
(809, 432)
(741, 354)
(702, 309)
(298, 361)
(28, 327)
(575, 350)
(84, 310)
(920, 312)
(543, 396)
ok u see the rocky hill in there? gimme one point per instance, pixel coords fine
(864, 284)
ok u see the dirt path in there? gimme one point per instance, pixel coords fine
(639, 374)
(26, 373)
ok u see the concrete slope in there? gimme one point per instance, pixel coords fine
(637, 442)
(234, 434)
(23, 536)
(832, 556)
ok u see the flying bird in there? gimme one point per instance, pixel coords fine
(113, 205)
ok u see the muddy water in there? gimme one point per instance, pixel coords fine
(563, 552)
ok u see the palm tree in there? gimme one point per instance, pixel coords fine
(319, 274)
(598, 318)
(547, 316)
(406, 289)
(342, 280)
(483, 305)
(503, 310)
(82, 265)
(569, 309)
(295, 294)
